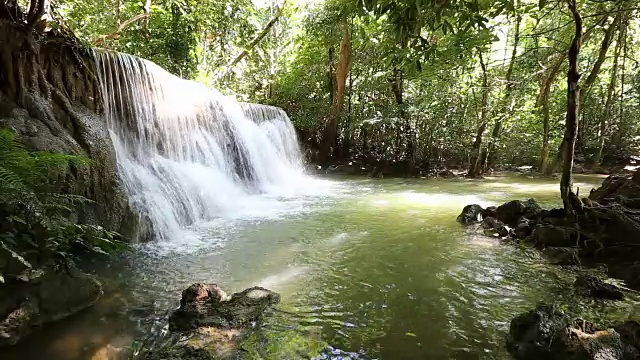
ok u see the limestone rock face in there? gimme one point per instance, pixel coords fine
(51, 100)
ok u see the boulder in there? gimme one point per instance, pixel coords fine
(45, 298)
(491, 223)
(548, 333)
(597, 288)
(561, 255)
(206, 305)
(629, 272)
(630, 332)
(523, 228)
(510, 212)
(554, 236)
(491, 211)
(471, 214)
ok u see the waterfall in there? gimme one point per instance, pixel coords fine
(187, 153)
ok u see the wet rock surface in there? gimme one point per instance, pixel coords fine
(204, 305)
(471, 214)
(209, 324)
(595, 287)
(604, 230)
(546, 332)
(555, 236)
(510, 212)
(45, 298)
(561, 255)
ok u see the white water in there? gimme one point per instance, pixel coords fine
(188, 155)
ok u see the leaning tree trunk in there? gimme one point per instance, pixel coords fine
(475, 170)
(489, 158)
(330, 132)
(573, 98)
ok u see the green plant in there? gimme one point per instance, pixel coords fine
(35, 226)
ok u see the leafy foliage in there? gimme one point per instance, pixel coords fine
(36, 230)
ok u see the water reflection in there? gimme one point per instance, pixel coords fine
(379, 269)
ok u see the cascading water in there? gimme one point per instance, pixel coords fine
(187, 153)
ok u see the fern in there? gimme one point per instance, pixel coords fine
(10, 180)
(34, 214)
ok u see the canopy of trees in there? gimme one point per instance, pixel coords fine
(427, 84)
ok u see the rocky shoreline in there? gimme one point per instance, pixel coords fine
(604, 231)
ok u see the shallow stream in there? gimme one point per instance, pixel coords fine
(366, 269)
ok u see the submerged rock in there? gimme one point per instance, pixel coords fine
(204, 305)
(471, 214)
(43, 299)
(548, 333)
(597, 288)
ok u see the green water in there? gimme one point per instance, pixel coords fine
(377, 269)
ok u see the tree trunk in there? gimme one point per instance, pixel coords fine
(475, 169)
(591, 78)
(330, 132)
(573, 99)
(256, 40)
(508, 105)
(38, 12)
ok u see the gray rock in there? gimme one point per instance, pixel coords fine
(206, 305)
(471, 214)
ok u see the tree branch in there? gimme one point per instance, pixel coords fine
(255, 40)
(102, 38)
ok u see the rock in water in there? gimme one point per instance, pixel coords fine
(471, 214)
(46, 298)
(547, 333)
(597, 288)
(510, 212)
(206, 305)
(561, 255)
(532, 333)
(491, 211)
(556, 236)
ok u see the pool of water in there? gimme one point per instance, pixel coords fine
(366, 268)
